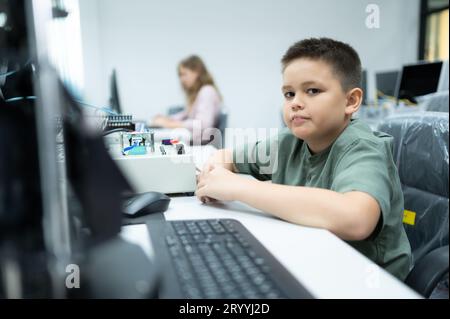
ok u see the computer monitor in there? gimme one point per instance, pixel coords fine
(96, 180)
(72, 154)
(114, 99)
(50, 154)
(386, 83)
(20, 188)
(418, 79)
(20, 183)
(443, 82)
(364, 87)
(25, 234)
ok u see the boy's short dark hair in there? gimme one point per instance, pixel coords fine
(342, 58)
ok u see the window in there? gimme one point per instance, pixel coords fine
(434, 30)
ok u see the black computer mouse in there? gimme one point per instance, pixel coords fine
(145, 204)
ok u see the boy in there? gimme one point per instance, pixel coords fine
(333, 172)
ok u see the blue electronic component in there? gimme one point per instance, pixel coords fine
(138, 150)
(126, 149)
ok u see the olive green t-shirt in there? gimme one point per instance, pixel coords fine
(358, 160)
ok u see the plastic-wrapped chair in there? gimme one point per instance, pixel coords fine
(422, 158)
(435, 102)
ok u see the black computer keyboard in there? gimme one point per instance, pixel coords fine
(221, 259)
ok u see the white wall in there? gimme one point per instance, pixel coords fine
(95, 83)
(241, 41)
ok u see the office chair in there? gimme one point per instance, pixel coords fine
(421, 155)
(171, 110)
(221, 124)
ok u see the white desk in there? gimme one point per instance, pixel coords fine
(323, 263)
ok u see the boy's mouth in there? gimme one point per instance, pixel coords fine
(298, 119)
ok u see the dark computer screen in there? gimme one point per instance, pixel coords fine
(419, 79)
(364, 86)
(20, 200)
(20, 189)
(110, 266)
(386, 83)
(23, 262)
(18, 82)
(94, 177)
(48, 148)
(114, 99)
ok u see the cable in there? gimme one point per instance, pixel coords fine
(120, 129)
(104, 109)
(9, 73)
(19, 98)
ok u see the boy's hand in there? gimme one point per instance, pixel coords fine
(206, 169)
(217, 183)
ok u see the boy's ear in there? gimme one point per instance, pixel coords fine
(354, 99)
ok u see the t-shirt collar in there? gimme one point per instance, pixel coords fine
(323, 154)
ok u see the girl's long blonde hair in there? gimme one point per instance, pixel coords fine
(194, 63)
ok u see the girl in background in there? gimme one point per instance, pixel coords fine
(203, 100)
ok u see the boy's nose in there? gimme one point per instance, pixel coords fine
(297, 106)
(297, 103)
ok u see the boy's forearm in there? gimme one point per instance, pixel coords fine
(306, 206)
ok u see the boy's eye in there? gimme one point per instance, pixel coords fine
(289, 95)
(312, 91)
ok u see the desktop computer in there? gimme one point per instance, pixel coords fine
(443, 81)
(23, 258)
(114, 99)
(61, 192)
(94, 189)
(386, 83)
(418, 79)
(365, 99)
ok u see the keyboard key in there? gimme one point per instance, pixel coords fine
(205, 227)
(174, 251)
(170, 240)
(180, 228)
(193, 228)
(218, 228)
(188, 249)
(228, 226)
(185, 239)
(199, 238)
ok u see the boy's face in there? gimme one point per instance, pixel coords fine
(314, 101)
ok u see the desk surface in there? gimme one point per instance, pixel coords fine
(327, 266)
(324, 264)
